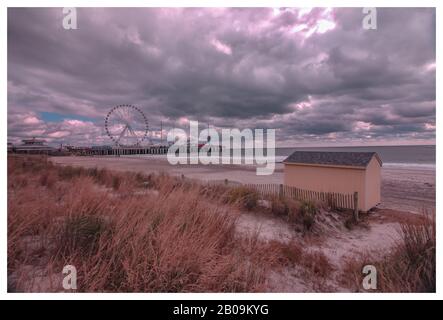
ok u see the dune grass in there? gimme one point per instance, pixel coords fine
(408, 267)
(132, 232)
(173, 241)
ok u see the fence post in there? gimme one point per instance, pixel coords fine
(356, 206)
(280, 191)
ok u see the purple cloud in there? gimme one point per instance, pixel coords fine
(313, 74)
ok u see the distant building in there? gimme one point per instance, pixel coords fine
(340, 172)
(34, 146)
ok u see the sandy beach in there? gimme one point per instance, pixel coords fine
(403, 188)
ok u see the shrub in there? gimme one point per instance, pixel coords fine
(285, 254)
(246, 198)
(299, 213)
(279, 206)
(294, 213)
(307, 212)
(290, 254)
(80, 233)
(317, 263)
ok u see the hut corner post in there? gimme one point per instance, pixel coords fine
(356, 206)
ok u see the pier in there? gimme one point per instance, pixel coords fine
(119, 151)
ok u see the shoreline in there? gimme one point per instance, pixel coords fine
(403, 188)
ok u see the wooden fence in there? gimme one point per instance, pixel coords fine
(333, 199)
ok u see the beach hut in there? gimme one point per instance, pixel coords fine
(338, 172)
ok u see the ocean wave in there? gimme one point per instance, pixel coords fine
(429, 166)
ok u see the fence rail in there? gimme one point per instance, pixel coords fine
(333, 199)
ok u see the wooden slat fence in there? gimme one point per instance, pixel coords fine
(333, 199)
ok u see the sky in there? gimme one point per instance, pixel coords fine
(315, 75)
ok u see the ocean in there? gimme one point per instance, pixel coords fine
(392, 156)
(418, 157)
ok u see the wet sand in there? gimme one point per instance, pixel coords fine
(405, 189)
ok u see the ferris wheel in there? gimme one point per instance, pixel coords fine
(126, 125)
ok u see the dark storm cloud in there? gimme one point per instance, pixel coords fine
(313, 75)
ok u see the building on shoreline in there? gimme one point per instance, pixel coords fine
(336, 172)
(33, 146)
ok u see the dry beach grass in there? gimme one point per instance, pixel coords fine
(133, 232)
(409, 267)
(167, 241)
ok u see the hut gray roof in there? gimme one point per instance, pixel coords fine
(352, 159)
